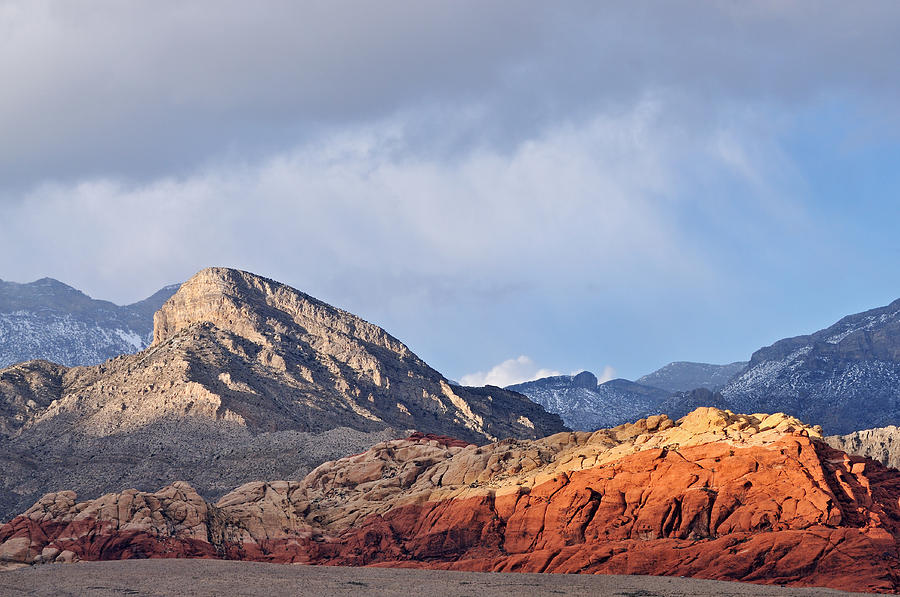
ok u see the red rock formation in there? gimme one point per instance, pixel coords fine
(796, 513)
(717, 496)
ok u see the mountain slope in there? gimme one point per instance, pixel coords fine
(684, 376)
(584, 405)
(47, 319)
(881, 444)
(845, 377)
(758, 498)
(235, 357)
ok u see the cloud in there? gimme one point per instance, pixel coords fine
(448, 170)
(142, 90)
(607, 374)
(352, 203)
(509, 372)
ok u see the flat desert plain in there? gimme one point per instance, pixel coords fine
(216, 577)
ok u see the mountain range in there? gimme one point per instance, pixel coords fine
(228, 436)
(586, 405)
(47, 319)
(845, 377)
(245, 377)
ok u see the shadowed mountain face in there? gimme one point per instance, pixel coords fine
(235, 356)
(49, 320)
(584, 405)
(845, 377)
(683, 376)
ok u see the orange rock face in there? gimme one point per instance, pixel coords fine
(715, 495)
(795, 513)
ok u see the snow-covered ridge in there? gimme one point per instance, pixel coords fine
(845, 377)
(49, 320)
(868, 323)
(588, 408)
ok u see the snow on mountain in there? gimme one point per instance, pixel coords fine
(47, 319)
(845, 377)
(585, 405)
(683, 376)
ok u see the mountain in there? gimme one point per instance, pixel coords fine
(716, 495)
(245, 377)
(584, 405)
(881, 444)
(845, 377)
(47, 319)
(684, 376)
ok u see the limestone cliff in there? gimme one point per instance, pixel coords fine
(236, 347)
(881, 444)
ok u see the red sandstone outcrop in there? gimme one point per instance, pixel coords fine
(756, 498)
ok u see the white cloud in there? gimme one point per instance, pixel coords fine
(509, 372)
(351, 203)
(608, 374)
(166, 86)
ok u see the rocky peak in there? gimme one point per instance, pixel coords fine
(259, 309)
(234, 346)
(585, 379)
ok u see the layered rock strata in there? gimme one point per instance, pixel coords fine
(233, 346)
(757, 498)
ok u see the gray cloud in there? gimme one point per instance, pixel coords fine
(493, 173)
(141, 89)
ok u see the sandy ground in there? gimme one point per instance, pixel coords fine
(213, 577)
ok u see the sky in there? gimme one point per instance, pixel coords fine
(514, 189)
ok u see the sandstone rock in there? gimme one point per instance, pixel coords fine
(758, 498)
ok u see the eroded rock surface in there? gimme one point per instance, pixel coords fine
(881, 444)
(758, 498)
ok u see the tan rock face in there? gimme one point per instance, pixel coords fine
(757, 498)
(232, 346)
(881, 444)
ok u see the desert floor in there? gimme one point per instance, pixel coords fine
(212, 577)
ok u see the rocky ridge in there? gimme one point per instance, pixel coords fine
(49, 320)
(716, 495)
(845, 377)
(585, 405)
(684, 376)
(234, 356)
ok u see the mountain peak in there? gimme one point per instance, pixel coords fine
(259, 309)
(585, 379)
(242, 336)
